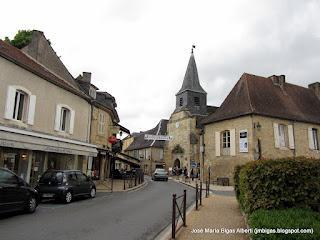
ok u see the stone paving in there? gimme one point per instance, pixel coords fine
(219, 217)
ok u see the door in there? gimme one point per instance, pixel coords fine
(85, 185)
(13, 196)
(73, 182)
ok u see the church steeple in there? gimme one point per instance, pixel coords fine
(191, 78)
(191, 97)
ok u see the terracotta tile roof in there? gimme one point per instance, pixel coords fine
(16, 56)
(139, 142)
(259, 95)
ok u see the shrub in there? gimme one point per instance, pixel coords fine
(21, 39)
(286, 219)
(279, 183)
(236, 179)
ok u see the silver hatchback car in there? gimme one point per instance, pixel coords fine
(160, 174)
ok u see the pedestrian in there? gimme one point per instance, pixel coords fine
(191, 173)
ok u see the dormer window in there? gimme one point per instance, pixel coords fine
(181, 102)
(92, 93)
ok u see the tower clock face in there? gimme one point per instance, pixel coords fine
(177, 124)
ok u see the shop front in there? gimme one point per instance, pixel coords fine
(29, 154)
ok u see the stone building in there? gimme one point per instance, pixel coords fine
(183, 126)
(44, 119)
(262, 118)
(149, 152)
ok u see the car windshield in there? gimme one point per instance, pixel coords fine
(160, 171)
(52, 178)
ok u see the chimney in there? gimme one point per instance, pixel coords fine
(86, 77)
(315, 87)
(278, 80)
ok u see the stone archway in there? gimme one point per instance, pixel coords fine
(176, 163)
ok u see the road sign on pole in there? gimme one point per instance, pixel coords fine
(157, 137)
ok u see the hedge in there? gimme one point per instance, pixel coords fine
(278, 184)
(285, 220)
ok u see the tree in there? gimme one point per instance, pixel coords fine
(21, 39)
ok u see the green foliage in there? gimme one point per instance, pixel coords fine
(236, 180)
(21, 39)
(178, 149)
(293, 218)
(279, 183)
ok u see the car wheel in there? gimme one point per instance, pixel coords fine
(93, 192)
(68, 197)
(32, 204)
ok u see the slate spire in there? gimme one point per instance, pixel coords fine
(191, 79)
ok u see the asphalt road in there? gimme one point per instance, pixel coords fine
(139, 214)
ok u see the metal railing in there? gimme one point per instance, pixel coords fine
(181, 213)
(199, 193)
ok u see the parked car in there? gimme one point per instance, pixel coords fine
(160, 174)
(16, 194)
(65, 185)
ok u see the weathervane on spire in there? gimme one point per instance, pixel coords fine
(193, 47)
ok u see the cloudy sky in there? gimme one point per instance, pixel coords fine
(138, 50)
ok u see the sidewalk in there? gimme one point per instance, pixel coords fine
(220, 211)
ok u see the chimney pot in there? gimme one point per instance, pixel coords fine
(86, 77)
(315, 87)
(278, 80)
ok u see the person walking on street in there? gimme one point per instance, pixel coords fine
(191, 174)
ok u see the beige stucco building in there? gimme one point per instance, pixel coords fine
(261, 118)
(44, 120)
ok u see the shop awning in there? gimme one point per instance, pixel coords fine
(22, 139)
(128, 159)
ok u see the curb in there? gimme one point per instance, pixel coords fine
(127, 190)
(165, 234)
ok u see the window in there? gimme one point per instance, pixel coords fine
(92, 92)
(19, 105)
(81, 177)
(181, 102)
(197, 101)
(7, 177)
(65, 119)
(315, 138)
(226, 139)
(101, 123)
(282, 135)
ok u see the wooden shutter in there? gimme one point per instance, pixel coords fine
(232, 142)
(32, 109)
(8, 114)
(310, 138)
(57, 118)
(291, 137)
(72, 115)
(217, 143)
(276, 135)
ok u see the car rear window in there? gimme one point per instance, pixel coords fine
(52, 178)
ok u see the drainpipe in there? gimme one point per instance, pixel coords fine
(294, 140)
(202, 153)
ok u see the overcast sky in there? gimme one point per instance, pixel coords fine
(138, 50)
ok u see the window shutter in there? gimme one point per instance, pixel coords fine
(290, 136)
(72, 114)
(8, 114)
(57, 118)
(217, 141)
(32, 109)
(310, 138)
(232, 142)
(276, 135)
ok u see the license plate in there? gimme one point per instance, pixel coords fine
(47, 195)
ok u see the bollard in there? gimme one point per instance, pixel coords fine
(206, 188)
(200, 193)
(184, 208)
(124, 183)
(173, 234)
(197, 196)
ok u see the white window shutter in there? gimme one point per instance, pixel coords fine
(217, 142)
(276, 135)
(291, 137)
(71, 126)
(57, 118)
(8, 114)
(232, 142)
(32, 109)
(310, 138)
